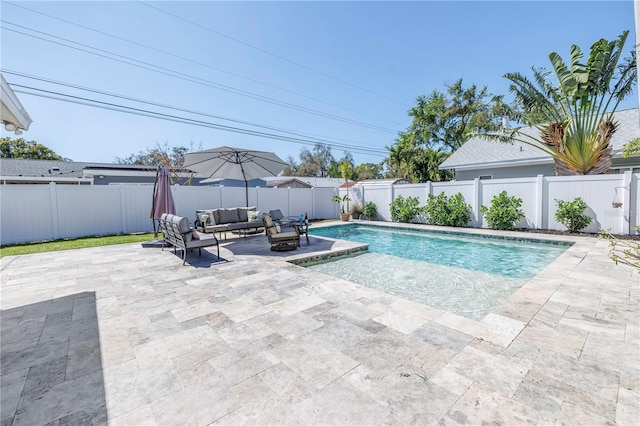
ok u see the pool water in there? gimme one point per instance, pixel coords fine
(463, 274)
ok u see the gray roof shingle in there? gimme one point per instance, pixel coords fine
(478, 152)
(37, 168)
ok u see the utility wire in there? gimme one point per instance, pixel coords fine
(176, 108)
(275, 55)
(191, 78)
(170, 117)
(183, 58)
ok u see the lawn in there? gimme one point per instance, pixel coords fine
(78, 243)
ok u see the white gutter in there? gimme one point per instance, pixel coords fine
(14, 117)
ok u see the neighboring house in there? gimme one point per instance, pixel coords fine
(288, 183)
(315, 182)
(14, 117)
(14, 170)
(382, 182)
(252, 183)
(484, 159)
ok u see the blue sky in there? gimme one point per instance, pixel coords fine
(362, 63)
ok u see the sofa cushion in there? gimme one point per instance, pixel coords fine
(183, 226)
(243, 213)
(229, 216)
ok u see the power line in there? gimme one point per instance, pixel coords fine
(199, 63)
(175, 108)
(170, 117)
(187, 77)
(275, 55)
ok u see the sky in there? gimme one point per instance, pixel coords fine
(343, 73)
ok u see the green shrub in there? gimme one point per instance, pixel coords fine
(571, 214)
(370, 210)
(447, 211)
(504, 211)
(404, 210)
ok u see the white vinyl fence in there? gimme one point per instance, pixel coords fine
(538, 194)
(48, 212)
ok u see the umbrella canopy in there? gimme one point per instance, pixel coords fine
(234, 163)
(162, 198)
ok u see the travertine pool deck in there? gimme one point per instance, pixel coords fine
(127, 335)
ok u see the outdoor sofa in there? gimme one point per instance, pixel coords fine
(232, 219)
(178, 233)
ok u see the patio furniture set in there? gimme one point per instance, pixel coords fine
(179, 234)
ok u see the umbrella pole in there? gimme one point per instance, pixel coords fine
(153, 198)
(246, 192)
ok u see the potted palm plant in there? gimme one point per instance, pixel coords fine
(342, 201)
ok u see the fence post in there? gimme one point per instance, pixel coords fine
(123, 210)
(54, 211)
(626, 202)
(539, 200)
(477, 202)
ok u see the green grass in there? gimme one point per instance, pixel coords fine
(78, 243)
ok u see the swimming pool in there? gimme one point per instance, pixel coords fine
(468, 275)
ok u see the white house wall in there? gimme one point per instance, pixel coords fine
(507, 172)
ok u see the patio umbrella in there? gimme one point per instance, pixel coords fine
(234, 163)
(162, 198)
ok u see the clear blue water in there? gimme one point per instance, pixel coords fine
(509, 258)
(465, 275)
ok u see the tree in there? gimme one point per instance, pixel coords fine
(631, 148)
(441, 123)
(447, 120)
(170, 157)
(335, 170)
(416, 163)
(316, 162)
(28, 150)
(368, 171)
(346, 171)
(292, 167)
(577, 108)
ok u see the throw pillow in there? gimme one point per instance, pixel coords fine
(195, 234)
(204, 219)
(253, 216)
(212, 219)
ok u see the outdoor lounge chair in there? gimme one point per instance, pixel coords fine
(280, 241)
(278, 218)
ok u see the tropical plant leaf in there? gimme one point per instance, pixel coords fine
(576, 110)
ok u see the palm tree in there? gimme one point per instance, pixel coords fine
(578, 111)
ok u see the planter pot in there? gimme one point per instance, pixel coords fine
(344, 217)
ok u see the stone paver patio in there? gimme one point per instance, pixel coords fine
(127, 335)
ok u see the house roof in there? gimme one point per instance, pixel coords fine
(39, 168)
(478, 153)
(318, 182)
(284, 182)
(383, 182)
